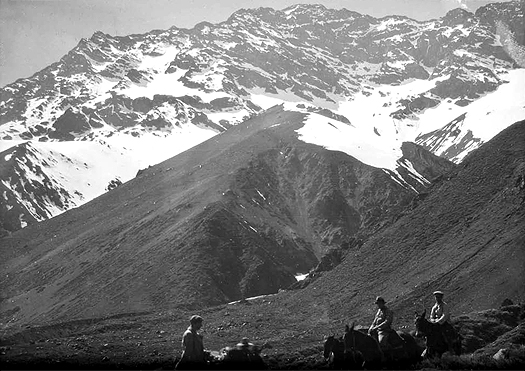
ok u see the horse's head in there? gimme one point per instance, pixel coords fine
(419, 318)
(356, 338)
(348, 328)
(421, 322)
(348, 331)
(329, 344)
(359, 344)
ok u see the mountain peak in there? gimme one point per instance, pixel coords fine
(457, 16)
(99, 34)
(305, 8)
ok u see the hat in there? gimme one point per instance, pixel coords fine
(379, 299)
(245, 343)
(195, 319)
(438, 293)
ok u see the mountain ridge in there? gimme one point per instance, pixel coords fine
(195, 83)
(238, 215)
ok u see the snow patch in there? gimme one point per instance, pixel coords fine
(485, 117)
(300, 276)
(358, 142)
(233, 117)
(267, 100)
(252, 298)
(169, 84)
(159, 63)
(260, 194)
(413, 172)
(23, 223)
(389, 23)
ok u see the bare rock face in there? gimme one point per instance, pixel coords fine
(70, 124)
(509, 14)
(25, 168)
(435, 141)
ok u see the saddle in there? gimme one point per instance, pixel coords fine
(395, 341)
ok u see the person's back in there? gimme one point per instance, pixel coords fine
(193, 345)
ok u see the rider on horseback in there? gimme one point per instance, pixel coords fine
(440, 314)
(382, 324)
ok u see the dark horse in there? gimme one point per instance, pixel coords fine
(367, 345)
(435, 341)
(334, 350)
(405, 350)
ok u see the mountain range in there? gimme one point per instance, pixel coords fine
(115, 105)
(199, 167)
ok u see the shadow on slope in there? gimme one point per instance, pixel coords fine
(466, 238)
(236, 216)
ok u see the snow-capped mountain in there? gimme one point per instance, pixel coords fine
(114, 105)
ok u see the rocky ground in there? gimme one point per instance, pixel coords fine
(152, 340)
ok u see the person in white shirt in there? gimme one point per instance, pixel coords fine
(382, 324)
(440, 314)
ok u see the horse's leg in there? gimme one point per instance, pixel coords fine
(457, 349)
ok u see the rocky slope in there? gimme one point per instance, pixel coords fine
(464, 237)
(238, 215)
(140, 99)
(294, 340)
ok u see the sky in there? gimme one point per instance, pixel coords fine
(36, 33)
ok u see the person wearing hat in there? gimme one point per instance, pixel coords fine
(248, 351)
(245, 345)
(382, 323)
(440, 314)
(192, 342)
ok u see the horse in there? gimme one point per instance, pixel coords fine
(366, 345)
(435, 341)
(339, 358)
(404, 349)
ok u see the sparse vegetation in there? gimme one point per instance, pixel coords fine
(152, 340)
